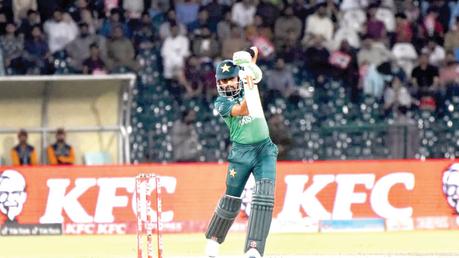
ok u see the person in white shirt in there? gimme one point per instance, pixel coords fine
(20, 8)
(174, 51)
(406, 55)
(353, 20)
(243, 13)
(60, 30)
(395, 95)
(319, 24)
(372, 52)
(387, 16)
(435, 51)
(348, 34)
(134, 8)
(165, 28)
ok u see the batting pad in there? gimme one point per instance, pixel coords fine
(227, 210)
(260, 215)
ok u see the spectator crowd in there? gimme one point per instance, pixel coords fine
(405, 53)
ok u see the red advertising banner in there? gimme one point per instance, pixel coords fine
(99, 199)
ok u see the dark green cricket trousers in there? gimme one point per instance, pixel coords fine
(257, 158)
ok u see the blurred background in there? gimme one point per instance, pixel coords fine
(130, 85)
(347, 79)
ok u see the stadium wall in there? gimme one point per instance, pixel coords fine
(310, 197)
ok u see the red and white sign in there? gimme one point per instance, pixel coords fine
(99, 200)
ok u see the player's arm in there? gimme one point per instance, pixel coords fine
(240, 109)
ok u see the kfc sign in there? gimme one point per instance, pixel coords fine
(451, 186)
(12, 193)
(300, 198)
(63, 199)
(100, 199)
(13, 196)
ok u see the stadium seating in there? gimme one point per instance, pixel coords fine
(61, 63)
(324, 122)
(326, 125)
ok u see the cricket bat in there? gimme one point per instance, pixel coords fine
(248, 69)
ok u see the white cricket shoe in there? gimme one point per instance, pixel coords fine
(212, 248)
(252, 253)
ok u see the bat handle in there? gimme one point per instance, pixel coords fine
(255, 55)
(253, 51)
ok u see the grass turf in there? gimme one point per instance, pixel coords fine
(413, 242)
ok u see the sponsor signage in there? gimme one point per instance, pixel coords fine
(15, 229)
(352, 225)
(99, 199)
(403, 224)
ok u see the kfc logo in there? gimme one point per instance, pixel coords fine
(65, 198)
(451, 186)
(300, 199)
(12, 193)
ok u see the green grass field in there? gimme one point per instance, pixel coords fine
(414, 243)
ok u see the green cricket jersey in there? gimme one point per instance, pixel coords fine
(243, 129)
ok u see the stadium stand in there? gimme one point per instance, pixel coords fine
(345, 106)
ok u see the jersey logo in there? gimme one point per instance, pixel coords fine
(232, 172)
(245, 120)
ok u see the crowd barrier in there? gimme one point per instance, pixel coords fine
(319, 196)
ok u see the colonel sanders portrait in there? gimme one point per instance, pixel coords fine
(451, 186)
(12, 193)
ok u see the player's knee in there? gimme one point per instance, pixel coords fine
(227, 210)
(264, 187)
(235, 191)
(229, 206)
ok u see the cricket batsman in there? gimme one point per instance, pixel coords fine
(252, 151)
